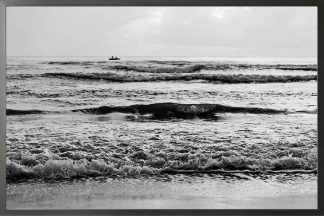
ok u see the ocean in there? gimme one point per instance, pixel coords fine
(81, 118)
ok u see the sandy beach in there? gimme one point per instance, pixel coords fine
(169, 192)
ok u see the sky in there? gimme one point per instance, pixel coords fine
(162, 31)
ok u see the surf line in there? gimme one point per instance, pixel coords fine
(174, 171)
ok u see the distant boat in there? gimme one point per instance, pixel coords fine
(113, 58)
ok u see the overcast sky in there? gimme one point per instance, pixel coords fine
(162, 31)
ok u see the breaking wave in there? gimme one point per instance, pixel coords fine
(213, 78)
(184, 66)
(177, 110)
(72, 165)
(190, 68)
(162, 110)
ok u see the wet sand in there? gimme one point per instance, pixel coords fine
(169, 192)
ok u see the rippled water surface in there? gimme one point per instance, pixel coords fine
(89, 117)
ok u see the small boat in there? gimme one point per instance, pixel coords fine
(112, 58)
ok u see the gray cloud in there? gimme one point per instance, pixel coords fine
(203, 31)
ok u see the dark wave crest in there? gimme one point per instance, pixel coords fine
(214, 78)
(177, 110)
(161, 110)
(24, 112)
(307, 111)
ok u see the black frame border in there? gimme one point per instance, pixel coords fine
(143, 3)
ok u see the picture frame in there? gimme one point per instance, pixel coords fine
(143, 3)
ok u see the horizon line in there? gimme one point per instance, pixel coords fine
(168, 56)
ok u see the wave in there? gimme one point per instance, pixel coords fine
(306, 111)
(20, 76)
(213, 78)
(177, 110)
(292, 67)
(24, 112)
(74, 62)
(138, 68)
(184, 66)
(160, 111)
(147, 164)
(163, 111)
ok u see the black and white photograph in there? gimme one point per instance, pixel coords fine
(161, 107)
